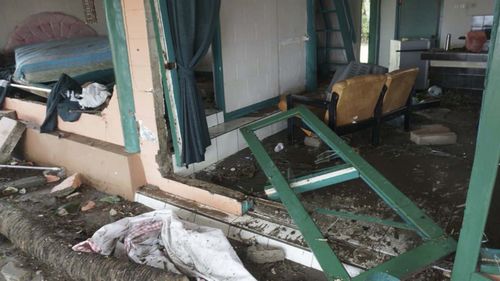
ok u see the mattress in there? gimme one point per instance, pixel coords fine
(84, 59)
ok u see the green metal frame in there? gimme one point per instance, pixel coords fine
(228, 116)
(167, 45)
(170, 103)
(374, 36)
(311, 48)
(484, 170)
(117, 39)
(220, 99)
(436, 244)
(346, 30)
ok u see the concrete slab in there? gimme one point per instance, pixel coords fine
(433, 135)
(11, 132)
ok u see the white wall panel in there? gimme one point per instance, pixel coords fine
(262, 49)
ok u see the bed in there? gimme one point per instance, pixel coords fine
(85, 59)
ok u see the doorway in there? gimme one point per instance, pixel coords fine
(418, 19)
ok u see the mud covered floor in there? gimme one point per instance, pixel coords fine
(78, 226)
(434, 177)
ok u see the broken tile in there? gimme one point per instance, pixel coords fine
(262, 254)
(67, 186)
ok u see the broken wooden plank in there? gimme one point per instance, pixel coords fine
(8, 113)
(11, 132)
(24, 182)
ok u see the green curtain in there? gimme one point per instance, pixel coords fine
(192, 24)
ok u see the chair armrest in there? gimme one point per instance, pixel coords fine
(320, 103)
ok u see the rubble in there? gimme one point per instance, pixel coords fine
(11, 272)
(8, 113)
(312, 141)
(89, 205)
(262, 254)
(27, 182)
(113, 199)
(68, 186)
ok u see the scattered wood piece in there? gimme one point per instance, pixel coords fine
(39, 241)
(11, 132)
(27, 182)
(68, 208)
(89, 205)
(112, 199)
(433, 135)
(8, 113)
(67, 186)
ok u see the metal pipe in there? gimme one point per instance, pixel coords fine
(31, 167)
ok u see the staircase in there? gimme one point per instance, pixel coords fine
(336, 35)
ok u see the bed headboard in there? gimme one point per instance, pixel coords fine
(47, 26)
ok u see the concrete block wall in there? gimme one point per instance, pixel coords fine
(138, 41)
(262, 49)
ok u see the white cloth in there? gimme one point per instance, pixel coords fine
(92, 96)
(160, 239)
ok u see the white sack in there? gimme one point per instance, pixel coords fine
(160, 239)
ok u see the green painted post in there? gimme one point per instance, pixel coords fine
(170, 103)
(374, 32)
(311, 48)
(220, 99)
(346, 29)
(331, 265)
(118, 42)
(485, 168)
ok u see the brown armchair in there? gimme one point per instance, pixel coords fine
(352, 106)
(396, 100)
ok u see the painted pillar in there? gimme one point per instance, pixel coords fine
(311, 48)
(117, 39)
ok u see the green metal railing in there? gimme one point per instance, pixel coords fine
(436, 244)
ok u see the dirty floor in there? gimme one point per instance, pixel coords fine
(434, 177)
(78, 226)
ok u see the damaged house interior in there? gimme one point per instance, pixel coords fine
(250, 140)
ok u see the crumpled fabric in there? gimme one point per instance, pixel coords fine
(160, 239)
(4, 90)
(59, 104)
(92, 96)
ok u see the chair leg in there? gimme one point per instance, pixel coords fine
(290, 121)
(376, 133)
(407, 121)
(291, 125)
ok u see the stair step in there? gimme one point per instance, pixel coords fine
(329, 30)
(332, 48)
(326, 11)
